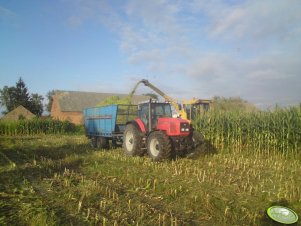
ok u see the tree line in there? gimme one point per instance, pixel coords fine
(14, 96)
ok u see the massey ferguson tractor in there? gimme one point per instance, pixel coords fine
(144, 128)
(156, 132)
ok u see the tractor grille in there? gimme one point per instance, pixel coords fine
(184, 127)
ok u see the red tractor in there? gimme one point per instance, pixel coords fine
(158, 133)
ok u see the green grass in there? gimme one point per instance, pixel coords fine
(60, 180)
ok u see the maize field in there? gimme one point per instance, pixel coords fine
(36, 126)
(263, 130)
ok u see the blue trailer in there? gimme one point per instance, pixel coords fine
(106, 124)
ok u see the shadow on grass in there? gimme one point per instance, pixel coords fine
(36, 161)
(24, 167)
(19, 195)
(28, 153)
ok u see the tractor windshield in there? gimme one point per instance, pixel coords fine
(161, 110)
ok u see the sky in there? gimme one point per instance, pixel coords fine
(198, 48)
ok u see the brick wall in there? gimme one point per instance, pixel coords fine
(75, 117)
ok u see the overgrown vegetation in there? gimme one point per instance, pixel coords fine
(260, 130)
(38, 126)
(60, 180)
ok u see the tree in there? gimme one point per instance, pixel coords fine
(50, 100)
(231, 104)
(12, 97)
(21, 95)
(36, 101)
(6, 98)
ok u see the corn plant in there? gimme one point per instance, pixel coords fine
(37, 126)
(262, 130)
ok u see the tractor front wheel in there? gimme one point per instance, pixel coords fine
(159, 146)
(132, 141)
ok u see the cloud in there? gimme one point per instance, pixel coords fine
(82, 12)
(267, 79)
(239, 48)
(251, 19)
(158, 15)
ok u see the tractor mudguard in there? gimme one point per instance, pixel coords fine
(138, 124)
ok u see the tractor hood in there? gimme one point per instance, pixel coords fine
(174, 126)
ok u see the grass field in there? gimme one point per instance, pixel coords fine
(60, 180)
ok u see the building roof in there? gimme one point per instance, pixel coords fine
(77, 101)
(17, 113)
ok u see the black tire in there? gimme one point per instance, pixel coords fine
(102, 143)
(114, 144)
(132, 141)
(197, 139)
(196, 145)
(159, 146)
(93, 142)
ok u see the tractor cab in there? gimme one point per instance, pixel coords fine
(196, 108)
(151, 111)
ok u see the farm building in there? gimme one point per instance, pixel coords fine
(69, 105)
(18, 113)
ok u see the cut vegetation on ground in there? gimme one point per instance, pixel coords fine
(60, 180)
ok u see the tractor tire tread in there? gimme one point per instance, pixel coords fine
(165, 142)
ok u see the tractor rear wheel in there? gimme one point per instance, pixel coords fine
(132, 141)
(159, 146)
(102, 143)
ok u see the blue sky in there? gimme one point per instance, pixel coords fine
(196, 48)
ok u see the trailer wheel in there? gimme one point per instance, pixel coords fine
(132, 141)
(114, 144)
(159, 146)
(102, 143)
(93, 142)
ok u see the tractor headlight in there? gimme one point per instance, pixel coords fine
(184, 127)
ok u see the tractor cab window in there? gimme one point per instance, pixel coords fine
(161, 110)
